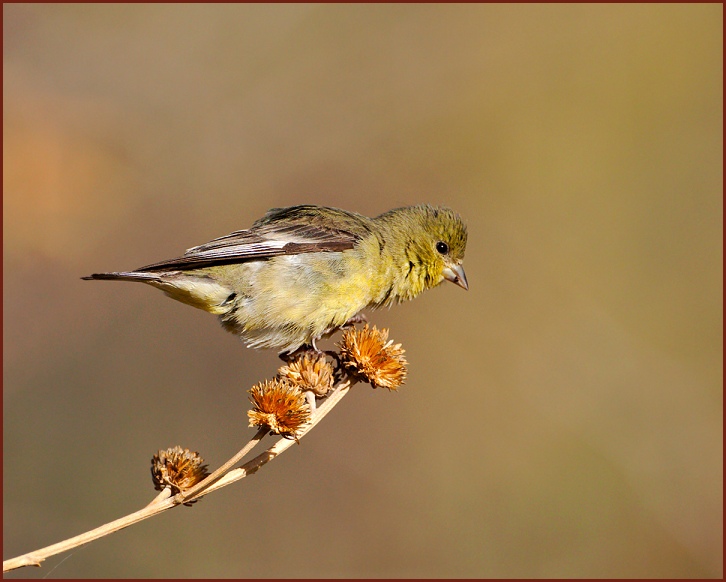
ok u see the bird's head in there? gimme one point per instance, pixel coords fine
(444, 245)
(429, 244)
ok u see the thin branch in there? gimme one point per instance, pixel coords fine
(163, 501)
(281, 445)
(184, 496)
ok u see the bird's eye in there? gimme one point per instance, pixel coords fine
(442, 247)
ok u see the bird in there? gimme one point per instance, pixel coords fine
(300, 273)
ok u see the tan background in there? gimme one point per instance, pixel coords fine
(562, 418)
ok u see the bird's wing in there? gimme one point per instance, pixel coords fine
(284, 233)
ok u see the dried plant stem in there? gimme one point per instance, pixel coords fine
(281, 445)
(184, 496)
(164, 501)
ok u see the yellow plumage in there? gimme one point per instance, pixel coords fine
(301, 272)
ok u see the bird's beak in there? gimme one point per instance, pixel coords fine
(456, 275)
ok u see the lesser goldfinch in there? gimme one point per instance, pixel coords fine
(299, 273)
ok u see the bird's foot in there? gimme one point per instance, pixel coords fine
(309, 349)
(357, 318)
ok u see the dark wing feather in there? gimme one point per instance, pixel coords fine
(282, 231)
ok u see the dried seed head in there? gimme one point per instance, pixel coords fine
(177, 468)
(309, 372)
(368, 355)
(279, 406)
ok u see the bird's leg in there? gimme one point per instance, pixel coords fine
(357, 318)
(311, 348)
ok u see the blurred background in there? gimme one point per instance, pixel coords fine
(561, 419)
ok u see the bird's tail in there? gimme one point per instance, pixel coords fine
(124, 276)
